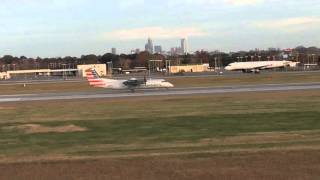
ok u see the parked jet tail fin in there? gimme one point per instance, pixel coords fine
(94, 78)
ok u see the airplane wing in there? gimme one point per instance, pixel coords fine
(261, 67)
(256, 69)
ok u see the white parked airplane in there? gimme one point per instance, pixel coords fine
(130, 84)
(256, 66)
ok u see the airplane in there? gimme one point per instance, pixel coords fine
(257, 66)
(131, 84)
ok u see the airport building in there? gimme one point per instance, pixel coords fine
(37, 73)
(189, 68)
(3, 75)
(100, 68)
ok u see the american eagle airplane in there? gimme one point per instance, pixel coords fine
(130, 84)
(256, 66)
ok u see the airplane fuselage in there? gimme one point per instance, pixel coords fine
(258, 65)
(127, 84)
(133, 83)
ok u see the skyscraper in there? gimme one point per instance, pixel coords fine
(184, 46)
(158, 49)
(149, 46)
(114, 51)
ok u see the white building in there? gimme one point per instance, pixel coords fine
(100, 68)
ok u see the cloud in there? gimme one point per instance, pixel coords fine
(215, 2)
(125, 4)
(290, 24)
(244, 2)
(155, 32)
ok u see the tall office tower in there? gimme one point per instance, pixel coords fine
(184, 46)
(158, 49)
(114, 51)
(149, 46)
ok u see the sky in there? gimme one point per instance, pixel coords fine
(52, 28)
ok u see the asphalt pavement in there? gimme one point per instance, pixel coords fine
(109, 94)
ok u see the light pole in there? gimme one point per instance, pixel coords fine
(64, 68)
(168, 67)
(215, 63)
(110, 67)
(314, 59)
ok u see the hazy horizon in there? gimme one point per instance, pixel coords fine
(52, 28)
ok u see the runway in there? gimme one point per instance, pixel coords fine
(191, 75)
(147, 93)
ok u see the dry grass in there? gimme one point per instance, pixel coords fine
(46, 88)
(293, 165)
(39, 129)
(245, 80)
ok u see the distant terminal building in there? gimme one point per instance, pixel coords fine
(189, 68)
(80, 71)
(3, 75)
(38, 73)
(100, 68)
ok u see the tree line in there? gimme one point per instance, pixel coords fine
(129, 61)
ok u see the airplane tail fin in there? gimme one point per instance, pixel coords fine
(94, 78)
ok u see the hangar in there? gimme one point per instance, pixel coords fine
(189, 68)
(100, 68)
(79, 72)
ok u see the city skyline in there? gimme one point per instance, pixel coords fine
(51, 28)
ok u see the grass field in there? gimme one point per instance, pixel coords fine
(180, 82)
(182, 124)
(257, 135)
